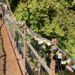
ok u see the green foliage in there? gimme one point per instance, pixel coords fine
(13, 4)
(21, 10)
(50, 17)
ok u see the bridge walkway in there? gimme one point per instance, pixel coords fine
(8, 61)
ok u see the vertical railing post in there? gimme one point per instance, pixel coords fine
(52, 64)
(25, 45)
(25, 39)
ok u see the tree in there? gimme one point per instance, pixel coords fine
(50, 17)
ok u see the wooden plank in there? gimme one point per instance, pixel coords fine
(12, 67)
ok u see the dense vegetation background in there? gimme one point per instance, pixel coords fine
(49, 17)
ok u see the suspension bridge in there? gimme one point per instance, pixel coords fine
(14, 47)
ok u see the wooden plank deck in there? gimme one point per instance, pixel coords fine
(8, 62)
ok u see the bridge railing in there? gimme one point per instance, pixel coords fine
(15, 39)
(18, 33)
